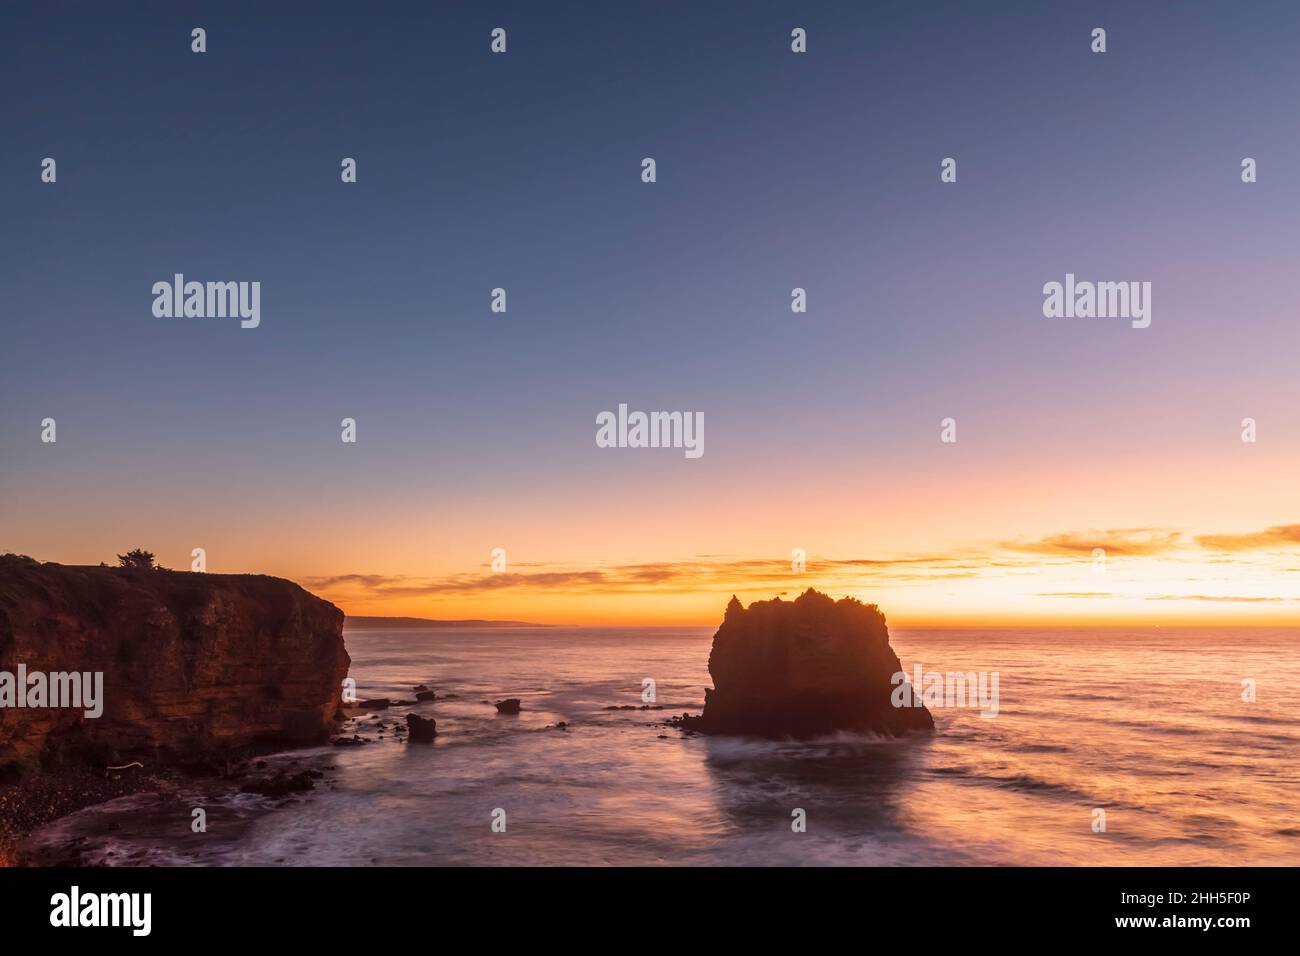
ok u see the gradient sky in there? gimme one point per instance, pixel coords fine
(775, 170)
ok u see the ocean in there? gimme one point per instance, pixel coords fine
(1109, 747)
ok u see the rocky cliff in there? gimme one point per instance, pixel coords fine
(801, 668)
(193, 665)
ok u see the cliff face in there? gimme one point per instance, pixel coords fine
(193, 664)
(801, 668)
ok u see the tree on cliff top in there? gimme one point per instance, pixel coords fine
(137, 559)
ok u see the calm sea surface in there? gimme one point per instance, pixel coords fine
(1147, 726)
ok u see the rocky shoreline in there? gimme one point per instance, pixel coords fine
(37, 800)
(42, 799)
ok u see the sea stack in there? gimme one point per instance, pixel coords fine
(803, 668)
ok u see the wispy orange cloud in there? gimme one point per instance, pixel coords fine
(656, 577)
(1224, 599)
(1279, 536)
(1082, 595)
(1122, 543)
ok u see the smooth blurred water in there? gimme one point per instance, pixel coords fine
(1147, 725)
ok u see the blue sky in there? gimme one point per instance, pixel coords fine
(774, 170)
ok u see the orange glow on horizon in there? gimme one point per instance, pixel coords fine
(1010, 544)
(1140, 578)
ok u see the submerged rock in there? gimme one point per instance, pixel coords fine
(634, 707)
(426, 695)
(282, 783)
(803, 668)
(510, 705)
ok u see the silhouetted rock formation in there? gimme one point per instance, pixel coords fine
(802, 668)
(194, 665)
(510, 705)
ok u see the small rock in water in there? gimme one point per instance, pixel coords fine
(425, 695)
(423, 729)
(510, 705)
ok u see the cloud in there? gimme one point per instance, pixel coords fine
(1228, 599)
(1132, 542)
(1278, 536)
(400, 585)
(338, 580)
(664, 577)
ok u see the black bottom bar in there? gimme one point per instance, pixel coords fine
(354, 908)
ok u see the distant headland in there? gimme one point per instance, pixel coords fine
(361, 623)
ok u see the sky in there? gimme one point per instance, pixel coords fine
(775, 170)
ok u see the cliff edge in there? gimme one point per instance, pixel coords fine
(192, 665)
